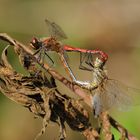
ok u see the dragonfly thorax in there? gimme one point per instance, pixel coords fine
(51, 44)
(99, 74)
(98, 77)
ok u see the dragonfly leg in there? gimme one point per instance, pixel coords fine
(82, 59)
(37, 51)
(50, 59)
(84, 68)
(41, 54)
(89, 60)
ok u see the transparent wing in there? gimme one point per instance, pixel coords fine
(55, 30)
(115, 94)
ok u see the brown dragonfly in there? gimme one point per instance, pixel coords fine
(108, 93)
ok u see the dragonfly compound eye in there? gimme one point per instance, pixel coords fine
(98, 63)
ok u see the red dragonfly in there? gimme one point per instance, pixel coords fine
(52, 44)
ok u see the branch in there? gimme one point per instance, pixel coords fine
(121, 129)
(106, 126)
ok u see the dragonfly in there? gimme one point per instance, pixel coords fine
(53, 43)
(108, 93)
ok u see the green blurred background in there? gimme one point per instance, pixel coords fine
(112, 26)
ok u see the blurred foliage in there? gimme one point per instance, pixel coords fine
(113, 26)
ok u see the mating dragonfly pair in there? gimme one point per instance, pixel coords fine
(106, 92)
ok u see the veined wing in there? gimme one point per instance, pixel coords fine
(115, 94)
(55, 30)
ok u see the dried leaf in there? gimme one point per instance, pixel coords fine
(4, 58)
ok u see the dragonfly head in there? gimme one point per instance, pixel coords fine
(35, 43)
(98, 63)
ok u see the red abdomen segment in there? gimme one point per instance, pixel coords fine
(103, 55)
